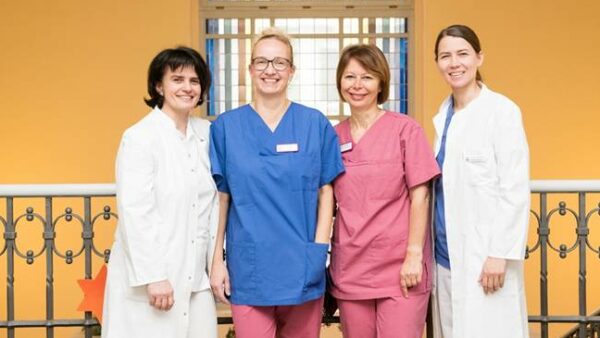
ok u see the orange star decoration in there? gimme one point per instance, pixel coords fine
(93, 293)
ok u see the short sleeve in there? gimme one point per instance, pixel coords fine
(331, 157)
(420, 165)
(217, 155)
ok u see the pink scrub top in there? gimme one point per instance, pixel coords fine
(370, 233)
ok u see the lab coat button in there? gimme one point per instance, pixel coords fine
(185, 313)
(189, 277)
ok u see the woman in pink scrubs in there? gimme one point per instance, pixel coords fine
(381, 249)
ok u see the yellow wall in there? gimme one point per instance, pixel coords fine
(72, 78)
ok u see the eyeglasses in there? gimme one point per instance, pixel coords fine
(279, 63)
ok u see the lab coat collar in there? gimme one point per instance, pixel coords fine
(440, 118)
(165, 121)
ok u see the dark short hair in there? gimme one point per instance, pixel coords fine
(460, 31)
(372, 59)
(175, 58)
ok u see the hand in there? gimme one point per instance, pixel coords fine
(492, 274)
(160, 295)
(411, 272)
(219, 282)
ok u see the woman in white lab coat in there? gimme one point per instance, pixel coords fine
(482, 199)
(157, 284)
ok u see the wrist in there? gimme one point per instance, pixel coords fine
(414, 251)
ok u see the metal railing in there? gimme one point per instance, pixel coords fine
(544, 217)
(547, 217)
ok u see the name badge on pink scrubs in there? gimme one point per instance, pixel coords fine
(287, 148)
(345, 147)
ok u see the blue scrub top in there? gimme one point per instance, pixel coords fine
(271, 255)
(441, 242)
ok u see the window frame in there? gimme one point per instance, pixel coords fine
(340, 9)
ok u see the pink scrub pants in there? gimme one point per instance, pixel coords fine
(392, 317)
(289, 321)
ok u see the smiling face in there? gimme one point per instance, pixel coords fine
(458, 62)
(180, 89)
(359, 87)
(270, 81)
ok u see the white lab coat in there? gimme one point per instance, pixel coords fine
(168, 213)
(486, 193)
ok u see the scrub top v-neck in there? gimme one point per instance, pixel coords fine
(273, 178)
(371, 229)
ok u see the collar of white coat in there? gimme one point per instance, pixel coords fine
(440, 118)
(165, 121)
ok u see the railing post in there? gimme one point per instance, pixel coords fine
(49, 245)
(543, 232)
(582, 233)
(9, 237)
(87, 236)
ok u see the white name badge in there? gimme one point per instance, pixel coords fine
(287, 148)
(346, 146)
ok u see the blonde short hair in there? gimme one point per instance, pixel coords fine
(277, 34)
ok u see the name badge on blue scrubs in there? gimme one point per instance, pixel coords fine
(287, 148)
(346, 147)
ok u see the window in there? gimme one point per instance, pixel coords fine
(318, 34)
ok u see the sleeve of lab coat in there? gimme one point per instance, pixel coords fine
(139, 219)
(509, 232)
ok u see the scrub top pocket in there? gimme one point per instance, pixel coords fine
(316, 259)
(241, 260)
(304, 169)
(386, 179)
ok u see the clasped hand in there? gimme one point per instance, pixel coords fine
(160, 295)
(219, 282)
(492, 274)
(411, 272)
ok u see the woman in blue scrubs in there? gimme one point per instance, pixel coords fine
(273, 161)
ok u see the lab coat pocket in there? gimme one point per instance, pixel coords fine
(478, 166)
(241, 262)
(316, 259)
(386, 179)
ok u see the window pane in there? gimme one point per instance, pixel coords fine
(260, 25)
(351, 25)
